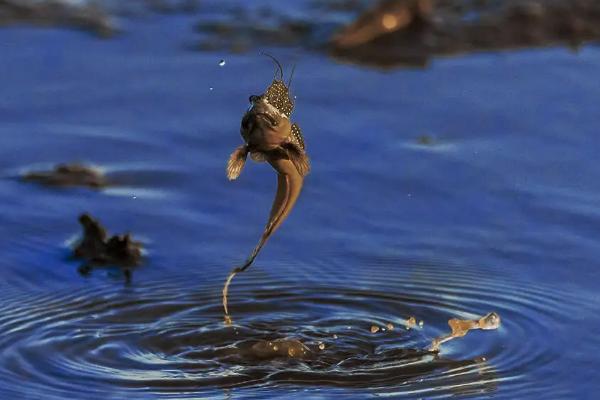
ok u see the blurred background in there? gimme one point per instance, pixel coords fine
(454, 172)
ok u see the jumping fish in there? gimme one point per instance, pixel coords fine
(270, 136)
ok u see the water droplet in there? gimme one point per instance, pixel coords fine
(374, 329)
(134, 197)
(335, 336)
(222, 63)
(211, 88)
(421, 323)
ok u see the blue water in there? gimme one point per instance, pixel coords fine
(498, 213)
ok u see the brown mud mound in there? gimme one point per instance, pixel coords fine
(96, 248)
(412, 31)
(68, 175)
(88, 17)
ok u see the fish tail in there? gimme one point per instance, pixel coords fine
(236, 162)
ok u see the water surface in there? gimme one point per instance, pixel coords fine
(498, 213)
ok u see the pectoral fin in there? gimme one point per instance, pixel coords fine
(236, 162)
(298, 157)
(258, 156)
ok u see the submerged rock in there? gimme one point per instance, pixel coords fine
(68, 175)
(97, 249)
(86, 16)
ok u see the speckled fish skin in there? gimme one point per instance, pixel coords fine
(278, 95)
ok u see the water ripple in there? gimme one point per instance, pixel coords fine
(168, 337)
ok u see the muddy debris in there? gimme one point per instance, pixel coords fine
(68, 175)
(460, 327)
(86, 16)
(96, 248)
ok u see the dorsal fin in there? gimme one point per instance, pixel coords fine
(298, 157)
(278, 95)
(258, 156)
(277, 64)
(296, 136)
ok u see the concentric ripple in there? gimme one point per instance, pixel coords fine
(168, 338)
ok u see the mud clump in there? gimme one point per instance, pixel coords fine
(87, 17)
(68, 175)
(460, 327)
(280, 348)
(96, 248)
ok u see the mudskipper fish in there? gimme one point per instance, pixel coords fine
(270, 136)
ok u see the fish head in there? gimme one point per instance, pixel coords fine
(264, 127)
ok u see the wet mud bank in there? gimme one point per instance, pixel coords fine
(412, 32)
(86, 16)
(407, 32)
